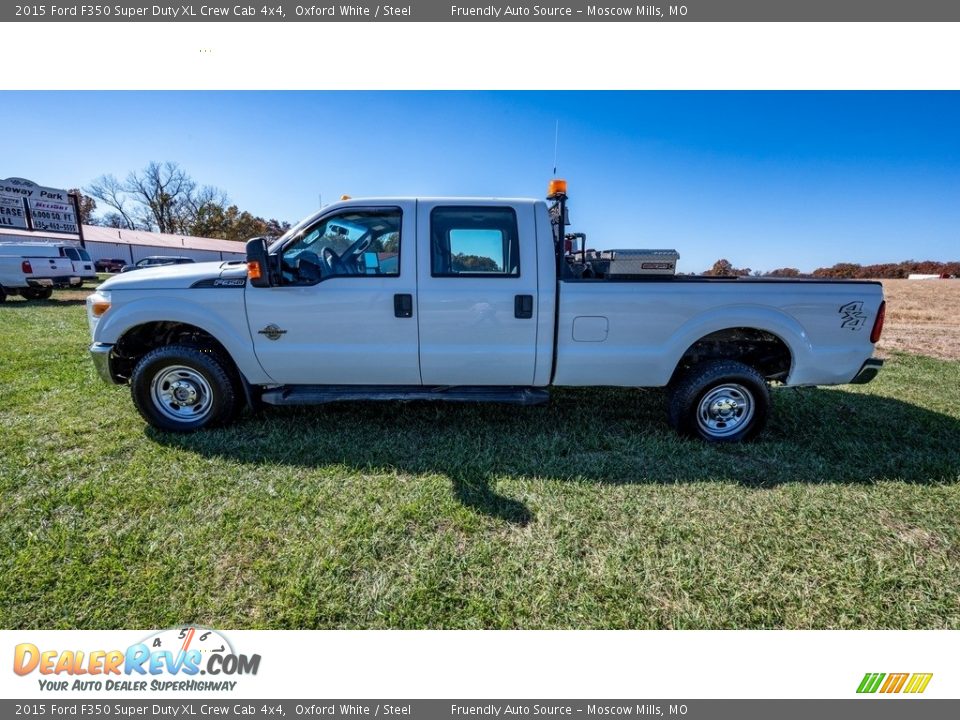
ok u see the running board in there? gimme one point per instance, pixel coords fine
(320, 394)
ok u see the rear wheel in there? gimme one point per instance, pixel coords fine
(179, 388)
(720, 401)
(3, 295)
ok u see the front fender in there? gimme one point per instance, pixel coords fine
(222, 315)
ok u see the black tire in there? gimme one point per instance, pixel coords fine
(200, 379)
(36, 293)
(722, 401)
(3, 295)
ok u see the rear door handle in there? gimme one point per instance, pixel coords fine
(523, 306)
(403, 305)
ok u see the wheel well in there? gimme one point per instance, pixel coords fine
(138, 341)
(757, 348)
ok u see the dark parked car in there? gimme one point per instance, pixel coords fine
(110, 265)
(156, 261)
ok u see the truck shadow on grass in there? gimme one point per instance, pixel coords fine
(597, 436)
(16, 302)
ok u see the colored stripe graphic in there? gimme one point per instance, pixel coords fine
(894, 683)
(918, 683)
(870, 682)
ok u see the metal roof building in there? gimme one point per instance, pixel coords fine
(133, 245)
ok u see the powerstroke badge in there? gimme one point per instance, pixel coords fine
(852, 316)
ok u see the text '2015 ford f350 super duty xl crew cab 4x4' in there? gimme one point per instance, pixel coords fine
(469, 300)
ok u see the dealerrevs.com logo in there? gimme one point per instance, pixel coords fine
(173, 659)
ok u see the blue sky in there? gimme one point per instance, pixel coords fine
(765, 179)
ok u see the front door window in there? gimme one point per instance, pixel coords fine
(350, 244)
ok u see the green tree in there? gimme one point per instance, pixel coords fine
(473, 263)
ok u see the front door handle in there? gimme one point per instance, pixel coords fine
(523, 306)
(403, 305)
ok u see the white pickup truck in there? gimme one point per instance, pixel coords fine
(34, 278)
(468, 300)
(76, 258)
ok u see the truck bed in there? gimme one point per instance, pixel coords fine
(639, 328)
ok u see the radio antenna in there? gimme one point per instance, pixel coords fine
(556, 143)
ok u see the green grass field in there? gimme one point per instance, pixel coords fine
(586, 513)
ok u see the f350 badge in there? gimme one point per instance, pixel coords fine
(852, 316)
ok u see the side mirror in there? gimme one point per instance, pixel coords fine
(258, 262)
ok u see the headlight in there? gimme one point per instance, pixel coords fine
(97, 304)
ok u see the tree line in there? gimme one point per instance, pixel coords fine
(163, 197)
(878, 271)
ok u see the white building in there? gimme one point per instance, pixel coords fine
(133, 245)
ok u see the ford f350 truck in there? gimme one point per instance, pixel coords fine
(469, 300)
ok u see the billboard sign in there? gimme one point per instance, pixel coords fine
(26, 205)
(12, 213)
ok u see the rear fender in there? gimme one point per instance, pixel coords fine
(768, 319)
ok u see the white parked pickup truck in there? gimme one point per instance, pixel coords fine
(77, 258)
(469, 300)
(34, 278)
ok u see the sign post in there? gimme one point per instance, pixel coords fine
(75, 197)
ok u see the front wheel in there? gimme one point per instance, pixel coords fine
(720, 401)
(179, 388)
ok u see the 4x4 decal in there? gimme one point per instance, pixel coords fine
(852, 316)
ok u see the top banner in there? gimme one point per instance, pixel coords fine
(485, 11)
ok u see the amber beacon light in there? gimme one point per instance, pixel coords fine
(556, 188)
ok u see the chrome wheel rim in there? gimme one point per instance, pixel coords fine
(181, 394)
(725, 410)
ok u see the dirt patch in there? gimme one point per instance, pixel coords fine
(923, 317)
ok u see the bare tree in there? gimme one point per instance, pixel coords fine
(113, 220)
(164, 194)
(161, 197)
(111, 193)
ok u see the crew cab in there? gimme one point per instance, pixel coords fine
(34, 278)
(468, 299)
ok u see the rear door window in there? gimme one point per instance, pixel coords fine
(474, 242)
